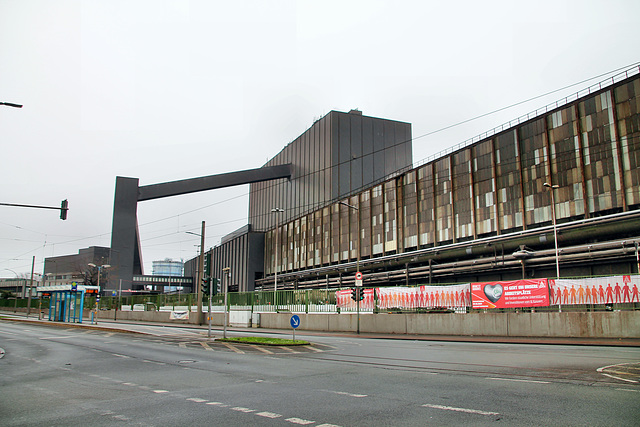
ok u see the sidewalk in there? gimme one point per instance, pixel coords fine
(134, 327)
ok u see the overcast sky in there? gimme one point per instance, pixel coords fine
(170, 89)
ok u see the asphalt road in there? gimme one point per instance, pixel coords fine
(75, 376)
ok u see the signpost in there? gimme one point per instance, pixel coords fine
(295, 322)
(358, 293)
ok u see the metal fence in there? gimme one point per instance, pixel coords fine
(297, 301)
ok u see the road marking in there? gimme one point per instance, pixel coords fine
(264, 350)
(161, 391)
(468, 411)
(327, 425)
(206, 346)
(344, 393)
(153, 361)
(234, 348)
(241, 409)
(215, 403)
(196, 399)
(613, 376)
(268, 414)
(520, 381)
(299, 421)
(109, 334)
(317, 350)
(628, 389)
(289, 350)
(56, 338)
(130, 384)
(120, 355)
(8, 333)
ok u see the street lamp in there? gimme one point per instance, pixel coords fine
(11, 104)
(200, 274)
(357, 263)
(99, 267)
(555, 229)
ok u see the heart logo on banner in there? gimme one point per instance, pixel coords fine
(493, 292)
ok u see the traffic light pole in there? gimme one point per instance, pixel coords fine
(209, 312)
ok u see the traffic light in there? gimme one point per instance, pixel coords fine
(360, 294)
(216, 283)
(206, 284)
(64, 207)
(207, 264)
(354, 294)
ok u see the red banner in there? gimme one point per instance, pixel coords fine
(517, 293)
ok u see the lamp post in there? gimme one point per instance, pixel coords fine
(357, 264)
(200, 274)
(11, 104)
(555, 229)
(99, 267)
(275, 270)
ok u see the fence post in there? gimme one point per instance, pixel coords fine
(306, 301)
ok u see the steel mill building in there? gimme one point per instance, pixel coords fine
(554, 193)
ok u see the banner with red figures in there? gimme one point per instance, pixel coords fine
(424, 297)
(595, 290)
(344, 301)
(516, 293)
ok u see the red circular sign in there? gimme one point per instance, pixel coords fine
(358, 276)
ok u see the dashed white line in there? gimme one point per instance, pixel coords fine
(215, 403)
(196, 399)
(520, 381)
(466, 410)
(344, 393)
(241, 409)
(120, 355)
(299, 421)
(268, 414)
(161, 391)
(308, 347)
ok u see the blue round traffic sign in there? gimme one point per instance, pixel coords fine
(295, 321)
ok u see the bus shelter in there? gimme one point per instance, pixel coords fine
(66, 303)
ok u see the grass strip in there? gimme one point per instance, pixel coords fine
(263, 341)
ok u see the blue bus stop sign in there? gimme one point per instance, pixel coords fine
(295, 321)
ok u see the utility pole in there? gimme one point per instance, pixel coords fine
(200, 275)
(33, 263)
(226, 272)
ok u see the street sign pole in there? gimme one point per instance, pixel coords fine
(295, 322)
(358, 291)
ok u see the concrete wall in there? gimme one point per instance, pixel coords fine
(605, 324)
(618, 324)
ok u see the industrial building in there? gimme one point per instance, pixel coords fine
(554, 193)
